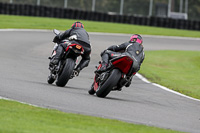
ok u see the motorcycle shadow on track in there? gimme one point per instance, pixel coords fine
(68, 87)
(118, 99)
(75, 89)
(143, 102)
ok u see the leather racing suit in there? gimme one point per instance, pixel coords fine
(75, 35)
(134, 50)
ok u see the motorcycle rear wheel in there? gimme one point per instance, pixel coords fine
(107, 86)
(66, 73)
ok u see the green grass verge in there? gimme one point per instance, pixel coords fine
(21, 118)
(177, 70)
(23, 22)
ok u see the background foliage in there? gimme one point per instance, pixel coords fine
(131, 7)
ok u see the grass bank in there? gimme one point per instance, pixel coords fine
(21, 118)
(177, 70)
(22, 22)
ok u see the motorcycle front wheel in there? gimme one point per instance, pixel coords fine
(50, 79)
(66, 73)
(91, 91)
(107, 86)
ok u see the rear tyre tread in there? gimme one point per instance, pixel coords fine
(112, 80)
(66, 73)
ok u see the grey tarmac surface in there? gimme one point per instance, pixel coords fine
(24, 71)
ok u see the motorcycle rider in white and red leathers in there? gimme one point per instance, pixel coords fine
(77, 35)
(133, 48)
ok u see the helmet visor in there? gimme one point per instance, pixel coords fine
(135, 38)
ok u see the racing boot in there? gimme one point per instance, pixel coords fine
(104, 67)
(56, 58)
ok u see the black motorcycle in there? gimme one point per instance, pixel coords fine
(65, 68)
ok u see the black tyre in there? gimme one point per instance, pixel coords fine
(64, 77)
(50, 79)
(112, 80)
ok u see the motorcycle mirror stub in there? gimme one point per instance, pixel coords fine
(56, 31)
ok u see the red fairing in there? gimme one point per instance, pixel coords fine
(71, 45)
(124, 64)
(95, 85)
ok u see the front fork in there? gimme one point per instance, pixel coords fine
(53, 51)
(100, 79)
(54, 69)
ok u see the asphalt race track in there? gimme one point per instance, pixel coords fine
(24, 71)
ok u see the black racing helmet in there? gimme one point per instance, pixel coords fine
(77, 24)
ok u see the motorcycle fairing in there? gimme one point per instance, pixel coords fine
(95, 85)
(124, 63)
(76, 48)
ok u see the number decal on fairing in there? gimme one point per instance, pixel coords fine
(78, 47)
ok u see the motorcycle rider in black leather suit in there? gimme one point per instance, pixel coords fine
(77, 35)
(133, 48)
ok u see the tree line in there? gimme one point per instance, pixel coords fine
(130, 7)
